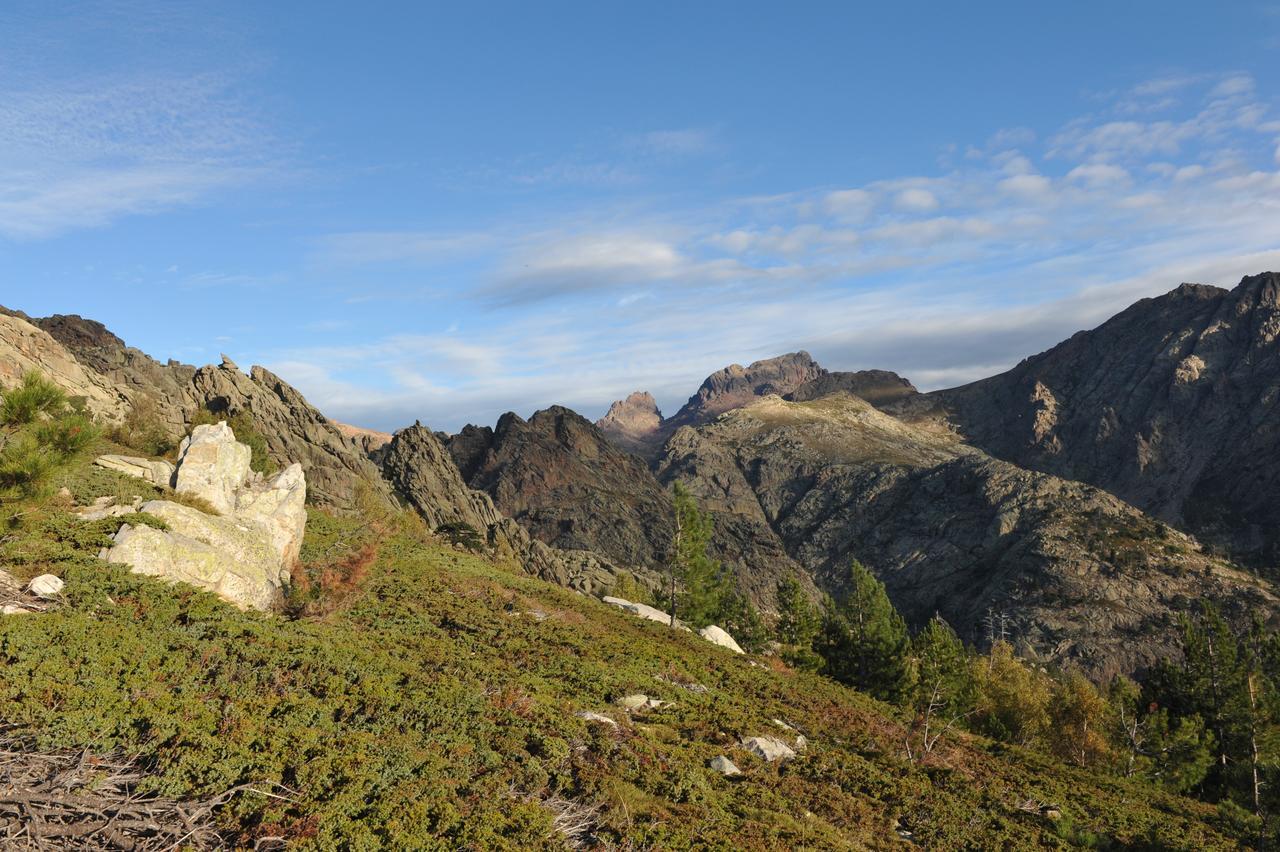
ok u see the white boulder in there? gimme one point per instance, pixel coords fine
(717, 635)
(769, 749)
(212, 465)
(725, 766)
(643, 611)
(246, 553)
(46, 587)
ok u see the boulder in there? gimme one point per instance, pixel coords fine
(243, 555)
(643, 611)
(768, 749)
(639, 703)
(156, 472)
(46, 587)
(597, 717)
(231, 560)
(280, 508)
(718, 636)
(212, 465)
(725, 766)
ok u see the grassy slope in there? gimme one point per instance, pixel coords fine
(437, 709)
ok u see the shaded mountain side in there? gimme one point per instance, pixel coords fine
(1082, 576)
(878, 387)
(422, 473)
(633, 427)
(569, 486)
(1170, 405)
(563, 481)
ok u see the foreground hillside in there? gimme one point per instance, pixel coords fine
(417, 696)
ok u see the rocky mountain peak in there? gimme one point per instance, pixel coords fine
(631, 423)
(735, 385)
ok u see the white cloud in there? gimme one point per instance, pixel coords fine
(1098, 174)
(1027, 185)
(916, 200)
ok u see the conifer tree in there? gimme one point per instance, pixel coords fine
(702, 587)
(864, 641)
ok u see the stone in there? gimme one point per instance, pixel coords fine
(212, 465)
(234, 561)
(46, 587)
(802, 742)
(158, 473)
(718, 636)
(640, 703)
(591, 716)
(643, 611)
(768, 749)
(278, 506)
(725, 766)
(245, 554)
(8, 585)
(14, 609)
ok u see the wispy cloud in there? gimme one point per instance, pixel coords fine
(945, 277)
(79, 151)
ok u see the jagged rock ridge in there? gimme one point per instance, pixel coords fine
(724, 390)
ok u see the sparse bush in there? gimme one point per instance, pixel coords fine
(40, 432)
(142, 429)
(461, 534)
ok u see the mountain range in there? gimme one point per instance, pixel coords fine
(1080, 500)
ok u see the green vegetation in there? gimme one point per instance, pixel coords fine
(864, 640)
(425, 698)
(142, 431)
(41, 432)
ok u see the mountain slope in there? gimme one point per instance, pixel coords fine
(439, 706)
(948, 529)
(1170, 405)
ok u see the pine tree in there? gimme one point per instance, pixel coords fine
(864, 641)
(944, 687)
(799, 621)
(700, 597)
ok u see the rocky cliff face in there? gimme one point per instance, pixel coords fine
(563, 481)
(336, 466)
(95, 347)
(1082, 576)
(724, 390)
(420, 469)
(878, 387)
(25, 347)
(1170, 405)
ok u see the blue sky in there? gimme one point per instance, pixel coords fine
(446, 211)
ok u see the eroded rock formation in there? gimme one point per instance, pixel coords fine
(245, 552)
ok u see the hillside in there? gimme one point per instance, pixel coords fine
(1082, 576)
(434, 701)
(1170, 405)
